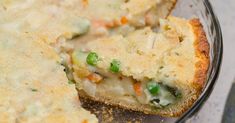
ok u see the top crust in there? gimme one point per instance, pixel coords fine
(33, 86)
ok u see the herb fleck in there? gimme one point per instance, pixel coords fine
(71, 82)
(34, 90)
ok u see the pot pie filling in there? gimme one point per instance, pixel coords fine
(95, 80)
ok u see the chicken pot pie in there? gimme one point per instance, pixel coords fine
(159, 73)
(116, 51)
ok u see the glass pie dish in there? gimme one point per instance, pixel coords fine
(187, 9)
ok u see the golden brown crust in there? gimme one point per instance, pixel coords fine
(202, 53)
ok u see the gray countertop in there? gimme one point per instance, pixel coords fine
(212, 110)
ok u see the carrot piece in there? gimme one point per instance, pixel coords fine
(137, 88)
(106, 24)
(124, 20)
(85, 2)
(84, 121)
(109, 24)
(94, 78)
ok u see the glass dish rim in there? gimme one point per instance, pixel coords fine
(215, 69)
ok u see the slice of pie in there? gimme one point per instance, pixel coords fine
(159, 73)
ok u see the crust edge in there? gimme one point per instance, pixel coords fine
(202, 53)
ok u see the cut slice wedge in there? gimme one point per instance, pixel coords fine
(159, 73)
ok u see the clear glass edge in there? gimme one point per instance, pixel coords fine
(215, 68)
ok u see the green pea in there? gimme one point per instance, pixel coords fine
(115, 66)
(92, 58)
(153, 87)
